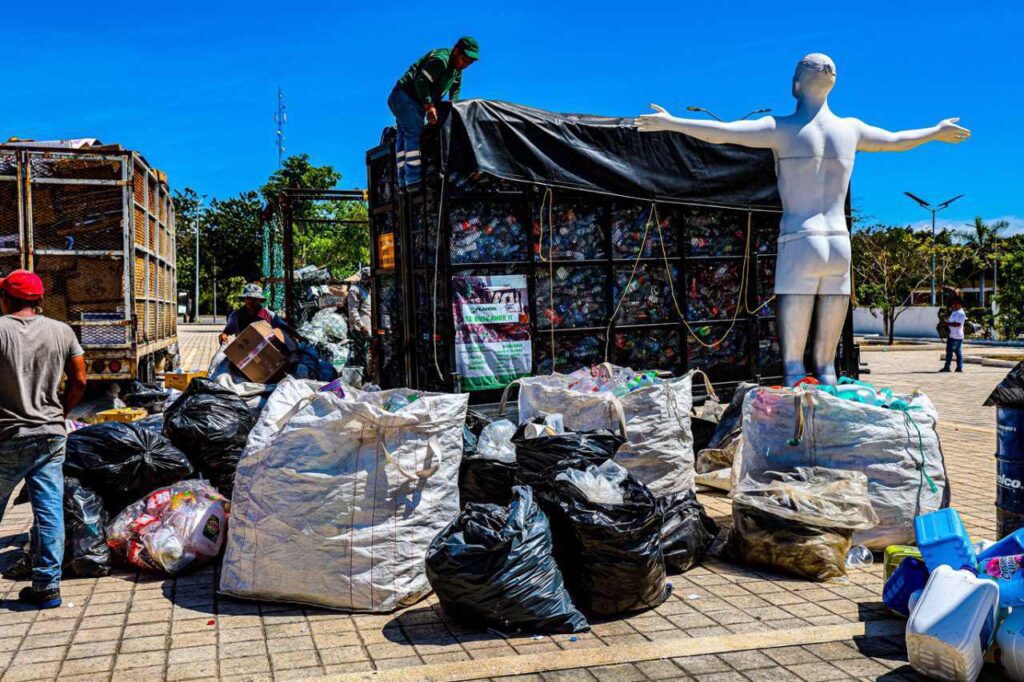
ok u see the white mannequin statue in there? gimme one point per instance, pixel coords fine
(814, 151)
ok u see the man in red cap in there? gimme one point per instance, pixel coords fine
(35, 352)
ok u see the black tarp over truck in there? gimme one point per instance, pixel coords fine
(96, 223)
(520, 191)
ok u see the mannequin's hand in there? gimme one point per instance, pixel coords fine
(949, 131)
(652, 123)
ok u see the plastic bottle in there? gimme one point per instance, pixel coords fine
(859, 556)
(1006, 572)
(951, 625)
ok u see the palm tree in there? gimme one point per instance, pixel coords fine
(984, 239)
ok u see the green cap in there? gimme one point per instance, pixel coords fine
(469, 47)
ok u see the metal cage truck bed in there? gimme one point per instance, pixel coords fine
(96, 223)
(567, 240)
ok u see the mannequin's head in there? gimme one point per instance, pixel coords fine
(815, 76)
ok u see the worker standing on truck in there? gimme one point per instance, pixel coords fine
(35, 352)
(416, 95)
(251, 311)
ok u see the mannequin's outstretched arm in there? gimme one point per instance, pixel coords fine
(874, 139)
(758, 133)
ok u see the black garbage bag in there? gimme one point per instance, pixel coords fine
(86, 554)
(210, 424)
(1010, 391)
(534, 456)
(123, 462)
(609, 553)
(486, 481)
(148, 396)
(493, 566)
(486, 475)
(731, 423)
(686, 532)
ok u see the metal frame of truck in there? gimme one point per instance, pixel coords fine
(135, 227)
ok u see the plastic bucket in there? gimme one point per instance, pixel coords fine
(1009, 495)
(1010, 433)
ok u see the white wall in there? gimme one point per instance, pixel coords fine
(917, 321)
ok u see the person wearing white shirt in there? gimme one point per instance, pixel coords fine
(955, 342)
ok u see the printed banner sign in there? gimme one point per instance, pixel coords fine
(492, 330)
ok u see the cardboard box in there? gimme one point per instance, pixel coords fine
(180, 380)
(258, 352)
(126, 415)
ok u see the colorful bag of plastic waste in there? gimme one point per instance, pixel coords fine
(210, 424)
(121, 462)
(653, 416)
(951, 625)
(799, 521)
(493, 566)
(172, 528)
(355, 494)
(86, 554)
(607, 529)
(786, 428)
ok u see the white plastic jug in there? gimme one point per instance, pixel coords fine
(1011, 645)
(952, 624)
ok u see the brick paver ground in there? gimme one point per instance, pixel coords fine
(197, 344)
(146, 627)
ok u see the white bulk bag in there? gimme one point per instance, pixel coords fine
(786, 428)
(338, 510)
(655, 420)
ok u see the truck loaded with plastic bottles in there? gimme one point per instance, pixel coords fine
(96, 223)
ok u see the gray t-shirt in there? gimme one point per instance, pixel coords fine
(33, 354)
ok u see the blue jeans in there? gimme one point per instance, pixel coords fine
(953, 347)
(409, 117)
(39, 460)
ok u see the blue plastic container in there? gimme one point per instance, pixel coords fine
(910, 576)
(1010, 433)
(1010, 545)
(943, 541)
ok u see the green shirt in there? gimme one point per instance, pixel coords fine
(431, 77)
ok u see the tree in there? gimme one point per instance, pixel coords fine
(188, 217)
(890, 263)
(1010, 296)
(984, 239)
(232, 244)
(339, 246)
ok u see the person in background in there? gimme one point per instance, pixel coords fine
(954, 344)
(35, 352)
(359, 325)
(416, 95)
(251, 311)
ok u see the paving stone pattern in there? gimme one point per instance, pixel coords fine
(144, 627)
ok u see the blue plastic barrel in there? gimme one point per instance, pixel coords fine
(1009, 495)
(1010, 433)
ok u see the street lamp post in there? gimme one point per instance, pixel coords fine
(933, 210)
(196, 320)
(715, 116)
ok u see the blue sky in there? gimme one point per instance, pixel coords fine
(193, 85)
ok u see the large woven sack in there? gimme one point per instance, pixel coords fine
(655, 420)
(339, 508)
(787, 428)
